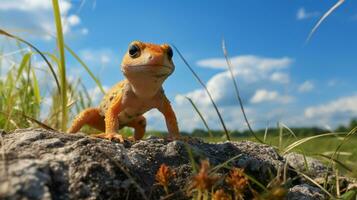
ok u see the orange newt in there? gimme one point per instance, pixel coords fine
(145, 67)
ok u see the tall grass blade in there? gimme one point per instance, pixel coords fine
(326, 14)
(349, 195)
(265, 134)
(208, 93)
(315, 183)
(201, 116)
(252, 179)
(302, 141)
(280, 128)
(218, 167)
(287, 128)
(332, 158)
(191, 157)
(335, 161)
(2, 32)
(62, 66)
(349, 134)
(43, 125)
(36, 87)
(130, 177)
(229, 64)
(24, 62)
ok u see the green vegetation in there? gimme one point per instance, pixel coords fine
(320, 147)
(22, 98)
(315, 148)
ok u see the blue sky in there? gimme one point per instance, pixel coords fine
(281, 78)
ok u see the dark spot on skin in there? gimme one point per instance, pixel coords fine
(113, 95)
(142, 122)
(127, 115)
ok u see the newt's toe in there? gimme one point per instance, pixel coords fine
(131, 139)
(110, 136)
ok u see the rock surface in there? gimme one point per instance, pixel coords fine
(314, 168)
(41, 164)
(305, 192)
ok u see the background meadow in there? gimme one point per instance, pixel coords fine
(59, 57)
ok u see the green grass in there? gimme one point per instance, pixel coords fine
(325, 146)
(22, 98)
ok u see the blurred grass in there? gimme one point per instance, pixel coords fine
(62, 64)
(325, 146)
(22, 96)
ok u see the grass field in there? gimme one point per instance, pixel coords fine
(325, 146)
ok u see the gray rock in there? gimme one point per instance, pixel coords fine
(305, 192)
(315, 168)
(41, 164)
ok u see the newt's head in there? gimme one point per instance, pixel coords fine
(148, 59)
(146, 66)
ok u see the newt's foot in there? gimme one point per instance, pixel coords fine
(132, 139)
(110, 136)
(172, 138)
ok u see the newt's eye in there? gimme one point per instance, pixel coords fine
(134, 51)
(170, 53)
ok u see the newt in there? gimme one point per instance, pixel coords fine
(145, 67)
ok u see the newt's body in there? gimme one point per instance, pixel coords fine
(145, 67)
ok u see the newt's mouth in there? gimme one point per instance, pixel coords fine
(158, 71)
(146, 66)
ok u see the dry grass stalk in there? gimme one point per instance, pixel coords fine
(203, 180)
(221, 195)
(238, 181)
(163, 176)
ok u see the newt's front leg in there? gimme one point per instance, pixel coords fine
(170, 118)
(111, 120)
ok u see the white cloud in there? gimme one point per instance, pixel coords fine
(73, 20)
(306, 86)
(247, 61)
(251, 71)
(303, 14)
(98, 56)
(188, 119)
(280, 77)
(36, 17)
(29, 5)
(334, 112)
(263, 95)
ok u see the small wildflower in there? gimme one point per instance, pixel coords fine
(237, 181)
(163, 176)
(221, 195)
(203, 180)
